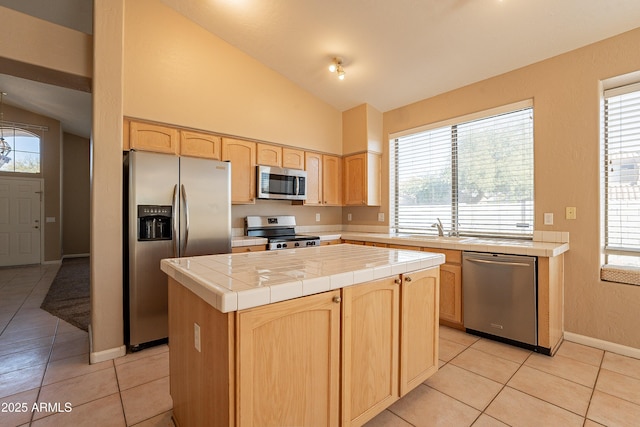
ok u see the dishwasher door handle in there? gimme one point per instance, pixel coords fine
(486, 261)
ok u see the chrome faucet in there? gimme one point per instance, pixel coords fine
(439, 226)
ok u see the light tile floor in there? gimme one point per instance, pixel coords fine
(44, 360)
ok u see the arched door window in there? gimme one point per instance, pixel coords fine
(19, 150)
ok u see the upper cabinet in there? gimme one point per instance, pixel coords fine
(198, 144)
(152, 137)
(242, 155)
(313, 166)
(292, 158)
(362, 180)
(362, 141)
(331, 180)
(269, 155)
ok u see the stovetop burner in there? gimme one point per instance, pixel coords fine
(280, 231)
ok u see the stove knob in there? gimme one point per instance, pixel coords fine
(284, 245)
(297, 244)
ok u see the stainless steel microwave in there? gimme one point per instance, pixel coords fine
(281, 183)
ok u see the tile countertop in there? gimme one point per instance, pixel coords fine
(505, 246)
(232, 282)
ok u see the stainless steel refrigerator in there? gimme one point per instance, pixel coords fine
(176, 206)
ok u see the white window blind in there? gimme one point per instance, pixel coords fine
(620, 172)
(475, 176)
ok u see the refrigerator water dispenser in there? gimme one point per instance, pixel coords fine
(154, 223)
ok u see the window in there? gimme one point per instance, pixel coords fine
(20, 151)
(621, 176)
(474, 174)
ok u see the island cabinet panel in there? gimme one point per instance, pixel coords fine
(201, 382)
(418, 328)
(288, 363)
(370, 349)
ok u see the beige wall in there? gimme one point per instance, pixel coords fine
(50, 172)
(176, 72)
(566, 94)
(75, 194)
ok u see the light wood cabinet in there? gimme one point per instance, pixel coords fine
(418, 328)
(292, 158)
(331, 180)
(242, 155)
(269, 155)
(152, 137)
(362, 179)
(199, 144)
(451, 313)
(370, 344)
(313, 166)
(244, 249)
(288, 363)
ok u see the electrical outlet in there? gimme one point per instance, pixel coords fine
(196, 336)
(571, 212)
(381, 216)
(317, 217)
(349, 217)
(548, 218)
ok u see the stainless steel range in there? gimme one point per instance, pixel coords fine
(280, 231)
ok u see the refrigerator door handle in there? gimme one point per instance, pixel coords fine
(186, 211)
(174, 236)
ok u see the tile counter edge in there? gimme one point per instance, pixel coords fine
(333, 267)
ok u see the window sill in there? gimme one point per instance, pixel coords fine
(620, 274)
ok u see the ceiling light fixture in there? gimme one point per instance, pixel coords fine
(336, 67)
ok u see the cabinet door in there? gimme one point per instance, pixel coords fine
(331, 181)
(418, 328)
(288, 363)
(197, 144)
(151, 137)
(242, 155)
(362, 180)
(313, 166)
(451, 293)
(370, 316)
(243, 249)
(269, 155)
(292, 158)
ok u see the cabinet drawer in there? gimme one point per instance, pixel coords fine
(451, 256)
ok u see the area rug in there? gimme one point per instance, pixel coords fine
(68, 296)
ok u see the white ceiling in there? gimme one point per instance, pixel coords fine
(395, 52)
(398, 52)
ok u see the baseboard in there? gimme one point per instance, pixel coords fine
(75, 256)
(104, 355)
(603, 345)
(54, 262)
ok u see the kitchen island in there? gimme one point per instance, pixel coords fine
(328, 335)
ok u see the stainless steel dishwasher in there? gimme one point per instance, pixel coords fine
(500, 297)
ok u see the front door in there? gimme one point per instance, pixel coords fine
(20, 227)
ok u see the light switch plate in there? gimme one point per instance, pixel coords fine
(317, 217)
(381, 216)
(349, 217)
(548, 218)
(196, 336)
(571, 212)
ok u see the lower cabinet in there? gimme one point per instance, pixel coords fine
(336, 358)
(288, 363)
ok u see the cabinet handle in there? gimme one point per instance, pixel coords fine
(407, 279)
(337, 299)
(397, 281)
